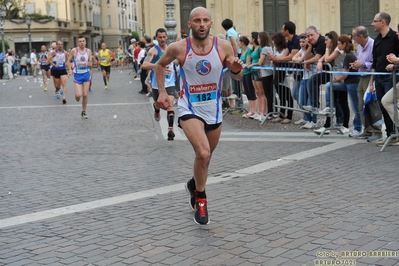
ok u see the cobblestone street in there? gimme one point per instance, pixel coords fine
(109, 190)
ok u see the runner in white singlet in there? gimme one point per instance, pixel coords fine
(201, 59)
(81, 58)
(153, 55)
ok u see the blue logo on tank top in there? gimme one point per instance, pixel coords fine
(203, 67)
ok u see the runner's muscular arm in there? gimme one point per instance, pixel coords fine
(50, 58)
(232, 62)
(147, 60)
(90, 55)
(70, 60)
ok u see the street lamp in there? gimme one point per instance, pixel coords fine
(3, 14)
(28, 22)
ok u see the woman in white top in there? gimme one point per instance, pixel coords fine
(10, 61)
(266, 74)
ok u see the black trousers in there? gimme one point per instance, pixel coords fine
(143, 77)
(1, 70)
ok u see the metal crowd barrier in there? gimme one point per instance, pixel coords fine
(285, 90)
(236, 87)
(287, 81)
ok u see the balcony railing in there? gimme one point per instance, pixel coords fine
(85, 27)
(53, 24)
(96, 31)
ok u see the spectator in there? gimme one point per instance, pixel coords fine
(309, 120)
(33, 62)
(142, 72)
(249, 89)
(388, 100)
(24, 63)
(284, 92)
(1, 64)
(266, 74)
(312, 56)
(363, 64)
(335, 57)
(387, 42)
(226, 87)
(232, 36)
(10, 62)
(350, 82)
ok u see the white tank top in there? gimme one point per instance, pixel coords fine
(43, 58)
(201, 78)
(60, 60)
(81, 62)
(170, 75)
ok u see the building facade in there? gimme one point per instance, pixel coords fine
(110, 21)
(269, 15)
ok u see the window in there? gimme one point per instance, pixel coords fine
(80, 13)
(29, 8)
(109, 21)
(52, 10)
(74, 11)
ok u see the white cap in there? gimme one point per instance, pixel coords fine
(133, 40)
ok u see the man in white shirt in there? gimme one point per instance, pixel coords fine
(33, 62)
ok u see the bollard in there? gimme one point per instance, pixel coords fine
(5, 69)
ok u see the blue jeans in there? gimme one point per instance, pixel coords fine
(295, 90)
(304, 99)
(354, 101)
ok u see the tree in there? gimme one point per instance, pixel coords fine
(6, 46)
(13, 8)
(135, 35)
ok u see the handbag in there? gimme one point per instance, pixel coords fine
(372, 109)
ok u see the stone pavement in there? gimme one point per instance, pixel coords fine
(109, 191)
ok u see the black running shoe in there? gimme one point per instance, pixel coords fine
(192, 193)
(201, 211)
(64, 101)
(84, 116)
(171, 135)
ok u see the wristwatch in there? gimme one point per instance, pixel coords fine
(364, 65)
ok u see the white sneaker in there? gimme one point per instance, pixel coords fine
(137, 79)
(355, 134)
(325, 111)
(301, 122)
(309, 108)
(309, 125)
(232, 97)
(261, 117)
(343, 130)
(255, 116)
(320, 130)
